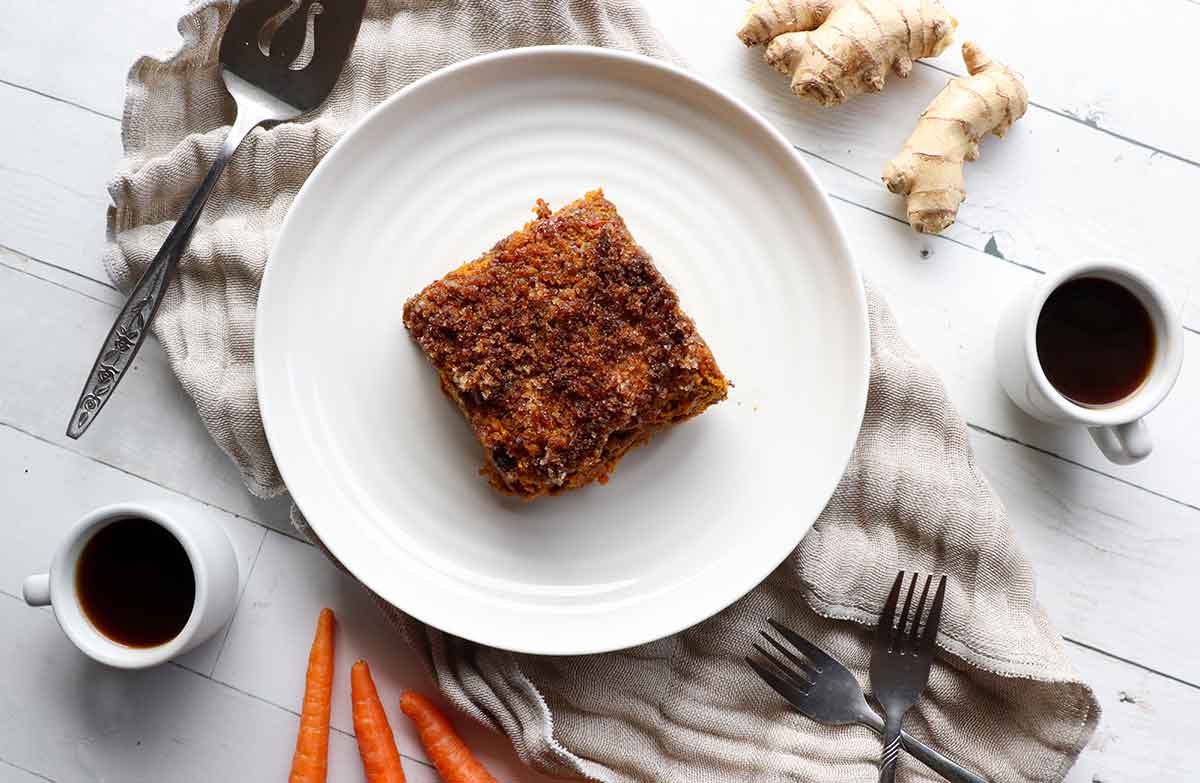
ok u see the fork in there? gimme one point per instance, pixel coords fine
(900, 661)
(823, 689)
(279, 58)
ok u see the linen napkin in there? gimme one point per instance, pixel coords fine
(1002, 698)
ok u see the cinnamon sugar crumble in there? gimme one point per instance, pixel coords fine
(564, 347)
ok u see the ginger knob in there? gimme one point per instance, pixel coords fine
(929, 169)
(835, 49)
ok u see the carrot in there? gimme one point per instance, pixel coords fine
(376, 745)
(446, 749)
(311, 759)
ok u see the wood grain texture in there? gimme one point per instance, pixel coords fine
(1053, 191)
(1110, 66)
(143, 427)
(10, 773)
(1104, 163)
(77, 55)
(68, 718)
(1108, 557)
(1144, 728)
(53, 176)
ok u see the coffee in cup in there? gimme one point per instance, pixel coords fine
(1097, 343)
(135, 584)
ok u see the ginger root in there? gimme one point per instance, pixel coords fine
(929, 170)
(834, 49)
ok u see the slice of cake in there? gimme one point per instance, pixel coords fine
(564, 347)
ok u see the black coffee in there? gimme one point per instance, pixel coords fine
(135, 583)
(1095, 341)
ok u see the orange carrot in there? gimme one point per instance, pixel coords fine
(311, 759)
(376, 745)
(446, 749)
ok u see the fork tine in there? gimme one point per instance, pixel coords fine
(887, 617)
(795, 677)
(929, 636)
(781, 686)
(820, 659)
(910, 641)
(899, 634)
(803, 665)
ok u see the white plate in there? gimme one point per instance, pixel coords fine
(384, 467)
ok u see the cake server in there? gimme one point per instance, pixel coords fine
(279, 59)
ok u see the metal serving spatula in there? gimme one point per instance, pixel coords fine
(279, 58)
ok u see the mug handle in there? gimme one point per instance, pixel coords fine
(1124, 444)
(36, 590)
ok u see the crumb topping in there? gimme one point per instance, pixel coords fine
(563, 344)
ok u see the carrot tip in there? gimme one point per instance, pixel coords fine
(445, 748)
(376, 745)
(310, 760)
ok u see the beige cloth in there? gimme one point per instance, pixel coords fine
(1003, 696)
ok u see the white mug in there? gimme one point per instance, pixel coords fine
(1117, 428)
(214, 568)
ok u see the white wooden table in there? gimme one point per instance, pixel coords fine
(1106, 162)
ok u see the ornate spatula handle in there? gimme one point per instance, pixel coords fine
(133, 322)
(121, 345)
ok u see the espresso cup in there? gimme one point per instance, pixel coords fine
(210, 556)
(1117, 427)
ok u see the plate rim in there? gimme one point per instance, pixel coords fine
(615, 640)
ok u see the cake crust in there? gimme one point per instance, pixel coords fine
(564, 348)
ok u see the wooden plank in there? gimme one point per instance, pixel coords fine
(80, 53)
(1050, 193)
(55, 162)
(1068, 53)
(46, 489)
(1145, 728)
(150, 428)
(99, 290)
(13, 774)
(268, 645)
(67, 718)
(1109, 559)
